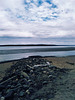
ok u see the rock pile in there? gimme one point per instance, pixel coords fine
(31, 78)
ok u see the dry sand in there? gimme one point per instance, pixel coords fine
(63, 62)
(66, 86)
(4, 66)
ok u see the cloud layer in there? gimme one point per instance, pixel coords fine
(37, 18)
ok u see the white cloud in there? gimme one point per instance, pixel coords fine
(15, 19)
(18, 33)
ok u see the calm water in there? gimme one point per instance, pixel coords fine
(10, 53)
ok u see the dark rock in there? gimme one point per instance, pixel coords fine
(45, 82)
(2, 87)
(35, 56)
(31, 90)
(25, 87)
(63, 70)
(9, 96)
(21, 93)
(70, 63)
(31, 71)
(28, 92)
(2, 98)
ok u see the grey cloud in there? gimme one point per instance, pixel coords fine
(63, 26)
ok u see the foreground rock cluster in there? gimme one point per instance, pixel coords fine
(32, 78)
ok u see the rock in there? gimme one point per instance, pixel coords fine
(31, 90)
(29, 81)
(37, 56)
(42, 69)
(27, 91)
(2, 87)
(52, 67)
(31, 71)
(25, 87)
(24, 74)
(63, 70)
(48, 63)
(45, 82)
(2, 98)
(8, 86)
(0, 95)
(70, 63)
(9, 96)
(44, 72)
(21, 93)
(8, 90)
(50, 76)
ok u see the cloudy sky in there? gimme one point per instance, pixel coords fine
(37, 21)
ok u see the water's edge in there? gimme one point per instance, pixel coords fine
(7, 61)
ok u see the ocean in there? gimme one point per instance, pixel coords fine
(17, 52)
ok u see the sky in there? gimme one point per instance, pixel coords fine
(37, 21)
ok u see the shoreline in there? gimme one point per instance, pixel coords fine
(33, 45)
(7, 61)
(61, 62)
(33, 50)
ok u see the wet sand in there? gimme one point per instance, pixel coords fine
(33, 50)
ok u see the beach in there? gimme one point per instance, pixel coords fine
(63, 85)
(37, 50)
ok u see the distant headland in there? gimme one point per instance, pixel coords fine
(33, 45)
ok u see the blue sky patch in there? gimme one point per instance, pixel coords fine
(40, 2)
(54, 6)
(45, 18)
(49, 1)
(31, 14)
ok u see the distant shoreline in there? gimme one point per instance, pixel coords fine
(32, 50)
(34, 45)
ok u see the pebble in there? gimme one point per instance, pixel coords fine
(31, 71)
(29, 81)
(9, 95)
(25, 86)
(24, 74)
(2, 87)
(2, 98)
(48, 63)
(45, 82)
(21, 93)
(27, 91)
(44, 72)
(49, 76)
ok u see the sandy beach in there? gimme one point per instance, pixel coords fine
(63, 62)
(4, 66)
(64, 85)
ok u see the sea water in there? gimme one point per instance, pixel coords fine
(18, 52)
